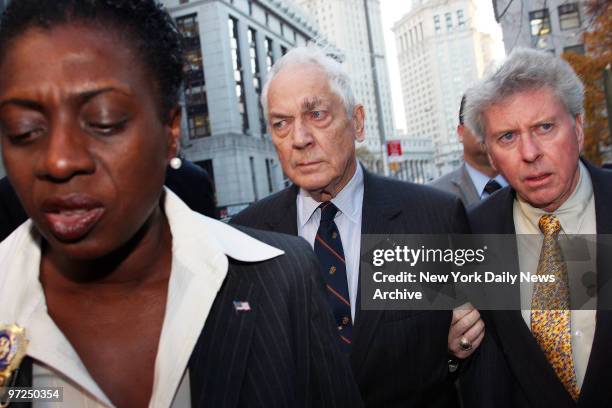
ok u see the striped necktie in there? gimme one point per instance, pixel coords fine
(550, 307)
(328, 248)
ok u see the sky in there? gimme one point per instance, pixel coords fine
(393, 10)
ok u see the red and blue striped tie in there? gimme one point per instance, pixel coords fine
(328, 248)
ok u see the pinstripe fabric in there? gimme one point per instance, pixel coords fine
(282, 353)
(399, 358)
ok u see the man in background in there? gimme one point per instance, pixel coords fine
(475, 179)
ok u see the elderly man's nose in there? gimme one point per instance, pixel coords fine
(302, 135)
(530, 148)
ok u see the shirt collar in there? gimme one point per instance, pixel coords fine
(348, 200)
(480, 180)
(200, 250)
(571, 212)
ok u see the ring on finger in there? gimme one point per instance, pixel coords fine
(465, 344)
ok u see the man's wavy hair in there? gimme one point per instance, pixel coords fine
(144, 24)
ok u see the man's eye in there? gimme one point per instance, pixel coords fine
(544, 128)
(278, 125)
(506, 137)
(318, 115)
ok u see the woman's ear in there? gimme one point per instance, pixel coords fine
(174, 132)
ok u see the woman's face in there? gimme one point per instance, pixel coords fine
(82, 139)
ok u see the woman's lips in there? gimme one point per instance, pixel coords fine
(71, 217)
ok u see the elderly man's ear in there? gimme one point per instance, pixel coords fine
(359, 122)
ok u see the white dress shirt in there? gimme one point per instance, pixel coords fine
(200, 250)
(348, 220)
(577, 216)
(480, 180)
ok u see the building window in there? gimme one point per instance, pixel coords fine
(269, 54)
(576, 49)
(269, 163)
(256, 76)
(539, 20)
(437, 24)
(196, 105)
(460, 19)
(183, 1)
(569, 16)
(238, 74)
(283, 50)
(253, 177)
(188, 26)
(449, 21)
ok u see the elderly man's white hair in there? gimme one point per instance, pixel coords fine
(524, 70)
(339, 81)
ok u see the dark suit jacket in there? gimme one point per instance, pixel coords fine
(282, 353)
(399, 358)
(191, 183)
(509, 368)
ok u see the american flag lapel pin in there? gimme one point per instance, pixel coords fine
(240, 306)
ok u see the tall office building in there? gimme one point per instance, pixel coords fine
(230, 47)
(440, 54)
(355, 27)
(552, 25)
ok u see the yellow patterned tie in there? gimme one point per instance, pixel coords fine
(550, 307)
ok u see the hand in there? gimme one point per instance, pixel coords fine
(467, 329)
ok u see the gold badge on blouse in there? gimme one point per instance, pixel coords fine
(13, 345)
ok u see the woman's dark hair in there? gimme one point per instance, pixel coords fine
(143, 23)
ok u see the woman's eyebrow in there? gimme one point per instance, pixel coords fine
(25, 103)
(87, 95)
(80, 96)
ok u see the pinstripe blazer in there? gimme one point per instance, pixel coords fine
(282, 353)
(399, 358)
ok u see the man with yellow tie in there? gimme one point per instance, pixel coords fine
(551, 353)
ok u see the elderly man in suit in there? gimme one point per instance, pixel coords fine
(399, 358)
(529, 113)
(476, 179)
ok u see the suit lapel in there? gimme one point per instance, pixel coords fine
(466, 186)
(218, 364)
(596, 390)
(284, 219)
(378, 211)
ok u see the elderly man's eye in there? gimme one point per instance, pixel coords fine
(318, 115)
(279, 124)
